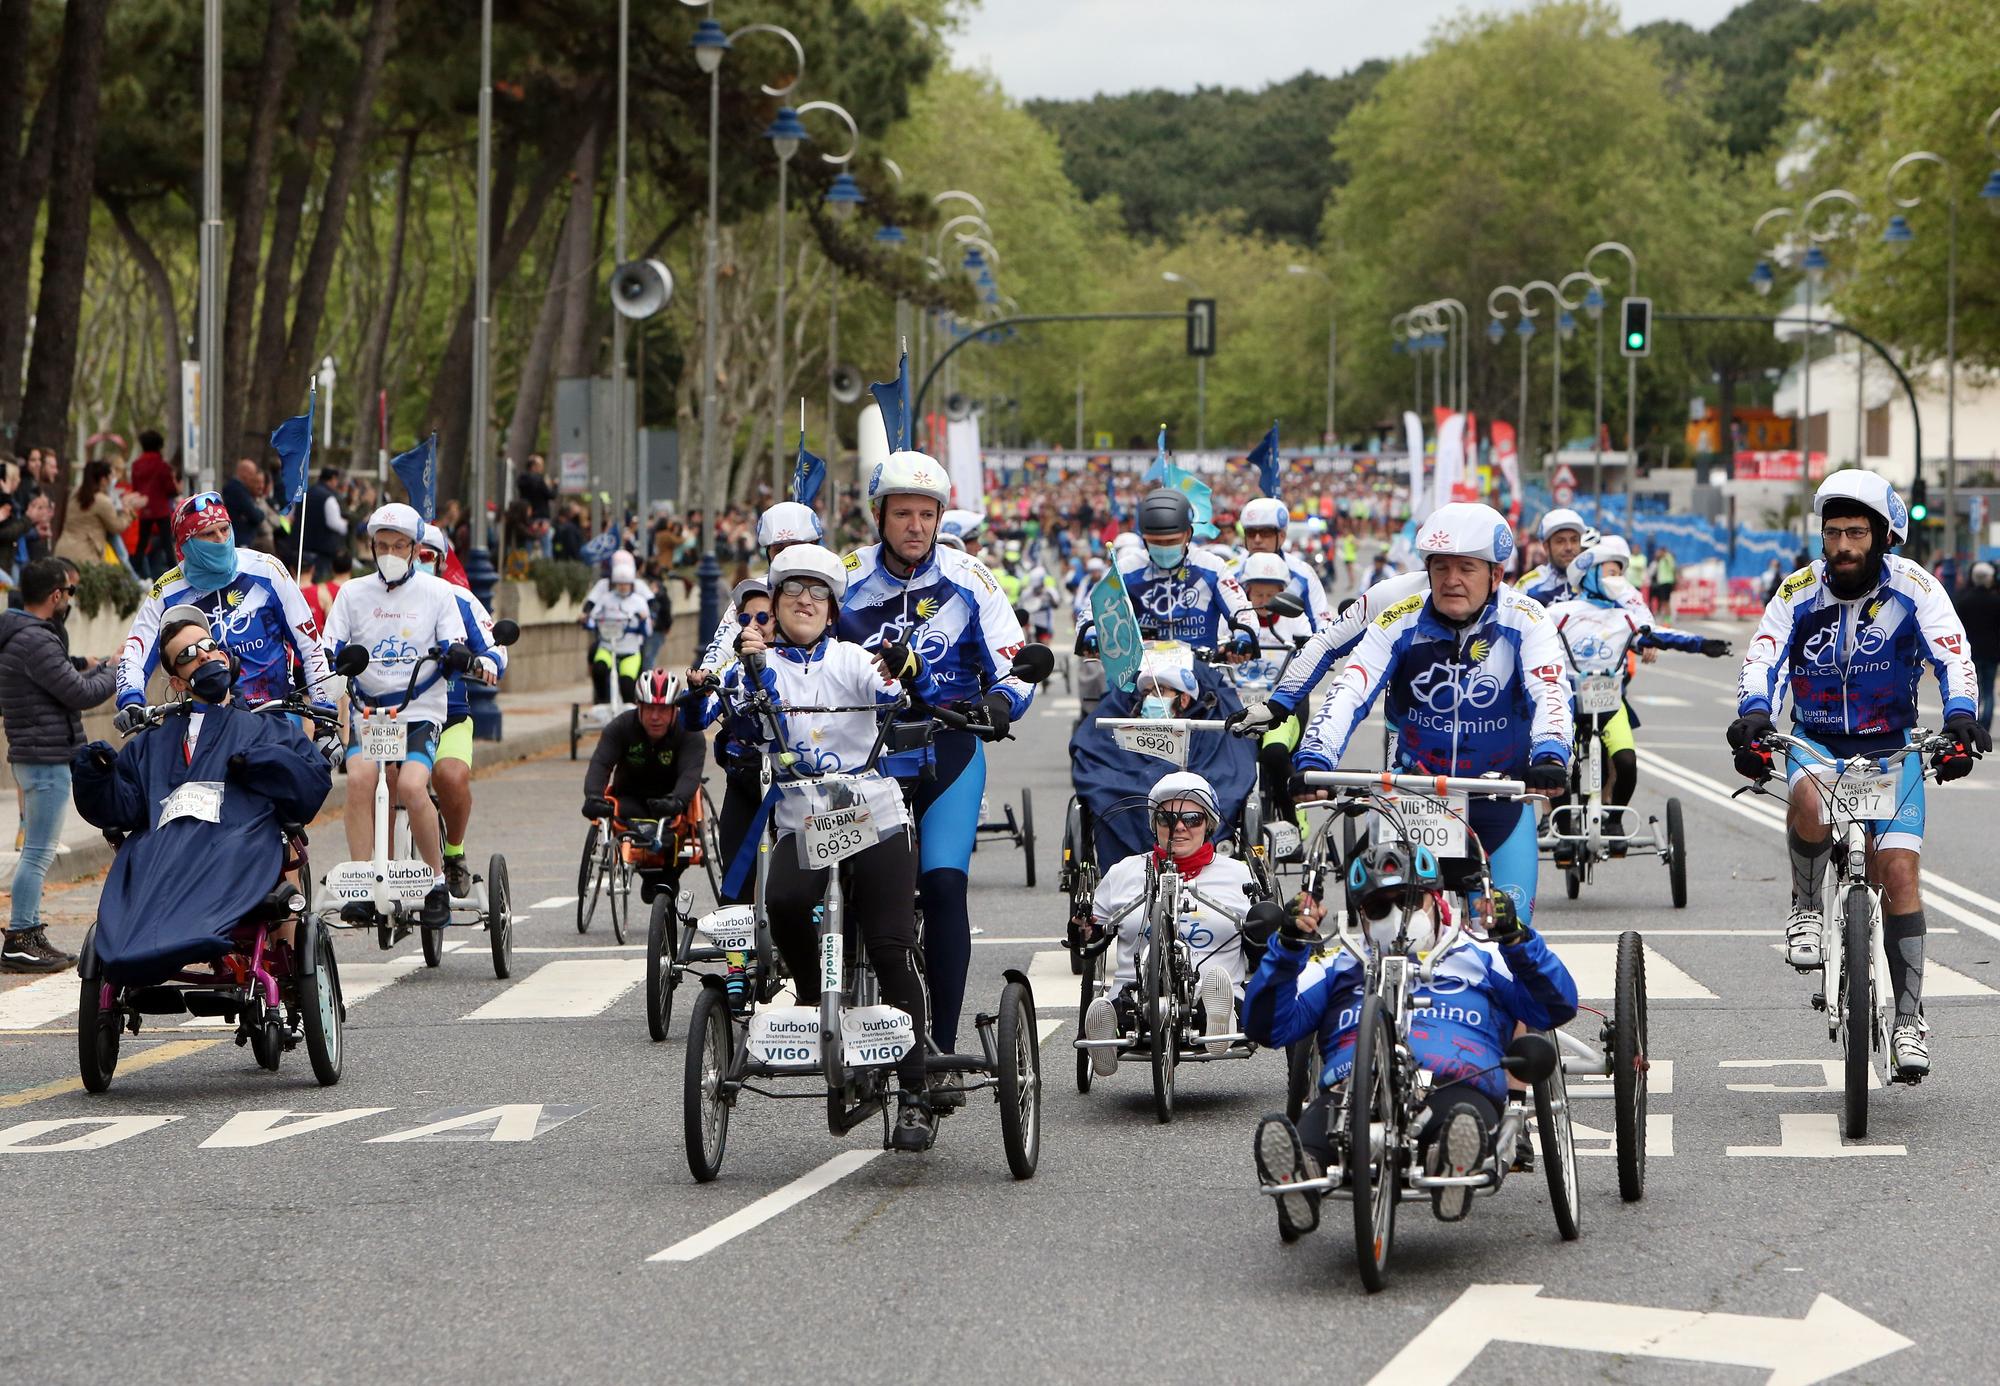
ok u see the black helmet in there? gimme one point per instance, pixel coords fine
(1165, 511)
(1388, 875)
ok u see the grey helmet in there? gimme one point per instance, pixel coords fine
(1165, 511)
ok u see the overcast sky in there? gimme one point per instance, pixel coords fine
(1077, 48)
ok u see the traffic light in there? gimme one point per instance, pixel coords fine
(1920, 509)
(1637, 338)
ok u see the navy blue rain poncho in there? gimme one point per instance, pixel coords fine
(178, 889)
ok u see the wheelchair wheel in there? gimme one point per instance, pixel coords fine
(1628, 1065)
(320, 1009)
(618, 894)
(704, 1110)
(1677, 862)
(1373, 1177)
(1558, 1151)
(1020, 1081)
(1028, 833)
(662, 947)
(1075, 874)
(1299, 1066)
(433, 946)
(589, 877)
(1163, 1025)
(1092, 969)
(267, 1043)
(500, 916)
(1572, 881)
(711, 846)
(96, 1035)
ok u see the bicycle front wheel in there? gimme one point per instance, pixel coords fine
(1857, 1019)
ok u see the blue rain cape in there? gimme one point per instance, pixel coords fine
(177, 889)
(1104, 775)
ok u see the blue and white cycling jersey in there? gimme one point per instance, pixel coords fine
(1853, 666)
(1333, 641)
(1200, 603)
(950, 610)
(479, 635)
(261, 617)
(1491, 696)
(1306, 586)
(1547, 584)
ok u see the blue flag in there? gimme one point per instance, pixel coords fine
(1264, 457)
(1161, 466)
(417, 469)
(893, 398)
(292, 440)
(598, 549)
(808, 475)
(1118, 641)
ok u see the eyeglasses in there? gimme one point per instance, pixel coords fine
(805, 587)
(753, 618)
(67, 591)
(1185, 818)
(188, 653)
(1860, 533)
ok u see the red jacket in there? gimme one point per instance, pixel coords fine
(155, 480)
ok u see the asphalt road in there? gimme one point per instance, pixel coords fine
(147, 1239)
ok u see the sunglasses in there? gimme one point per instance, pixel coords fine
(1185, 818)
(188, 654)
(207, 500)
(803, 587)
(67, 591)
(753, 618)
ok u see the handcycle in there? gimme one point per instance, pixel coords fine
(388, 890)
(1855, 991)
(1019, 831)
(1374, 1135)
(1583, 833)
(850, 1042)
(276, 993)
(623, 849)
(596, 716)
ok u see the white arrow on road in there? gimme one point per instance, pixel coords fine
(1829, 1340)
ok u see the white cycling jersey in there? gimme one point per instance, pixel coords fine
(398, 627)
(624, 619)
(1212, 940)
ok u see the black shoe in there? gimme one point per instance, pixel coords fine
(1564, 854)
(357, 912)
(437, 907)
(915, 1127)
(26, 952)
(947, 1092)
(1524, 1144)
(458, 877)
(1281, 1160)
(41, 936)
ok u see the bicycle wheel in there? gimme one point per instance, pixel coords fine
(500, 916)
(1373, 1176)
(589, 878)
(704, 1108)
(618, 890)
(1075, 875)
(96, 1034)
(1020, 1082)
(1572, 881)
(1677, 862)
(1558, 1150)
(1300, 1066)
(433, 940)
(1162, 1013)
(1092, 970)
(1028, 833)
(320, 1009)
(1857, 1018)
(1628, 1065)
(662, 946)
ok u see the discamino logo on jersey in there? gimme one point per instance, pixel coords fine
(1822, 648)
(1448, 687)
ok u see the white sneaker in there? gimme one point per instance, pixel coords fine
(1218, 1002)
(1909, 1046)
(1802, 938)
(1100, 1022)
(1457, 1151)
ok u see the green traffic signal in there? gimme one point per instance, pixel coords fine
(1920, 512)
(1636, 340)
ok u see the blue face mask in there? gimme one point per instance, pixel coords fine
(1156, 707)
(208, 566)
(211, 682)
(1166, 555)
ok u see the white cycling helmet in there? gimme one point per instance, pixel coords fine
(1265, 512)
(809, 560)
(1466, 529)
(1612, 548)
(1185, 784)
(623, 569)
(1870, 490)
(960, 525)
(1264, 567)
(1556, 521)
(909, 474)
(1127, 541)
(397, 518)
(951, 541)
(434, 539)
(789, 522)
(1094, 567)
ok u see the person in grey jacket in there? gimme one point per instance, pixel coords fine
(43, 693)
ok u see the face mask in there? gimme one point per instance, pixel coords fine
(1166, 555)
(208, 566)
(1156, 707)
(393, 567)
(211, 681)
(426, 565)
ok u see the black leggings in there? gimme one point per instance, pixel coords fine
(1318, 1141)
(881, 891)
(741, 793)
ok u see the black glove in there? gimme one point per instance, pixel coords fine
(1254, 719)
(1753, 762)
(1293, 934)
(1972, 741)
(1715, 649)
(1243, 643)
(1548, 777)
(902, 662)
(669, 807)
(238, 763)
(1000, 713)
(1970, 734)
(100, 754)
(458, 657)
(1506, 928)
(129, 719)
(1086, 639)
(597, 808)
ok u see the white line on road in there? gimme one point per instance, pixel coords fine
(39, 1002)
(764, 1209)
(1595, 968)
(565, 990)
(554, 902)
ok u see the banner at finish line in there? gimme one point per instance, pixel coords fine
(1413, 434)
(1117, 630)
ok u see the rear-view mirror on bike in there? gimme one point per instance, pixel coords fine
(351, 661)
(505, 632)
(1530, 1057)
(1285, 604)
(1033, 664)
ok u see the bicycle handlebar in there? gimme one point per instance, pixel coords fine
(1438, 785)
(1153, 723)
(1921, 742)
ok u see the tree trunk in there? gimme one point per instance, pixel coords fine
(66, 244)
(163, 304)
(285, 222)
(573, 354)
(524, 428)
(252, 197)
(366, 437)
(347, 154)
(20, 199)
(571, 281)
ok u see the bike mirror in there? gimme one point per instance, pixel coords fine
(351, 661)
(1034, 663)
(1286, 604)
(505, 632)
(1530, 1057)
(1265, 918)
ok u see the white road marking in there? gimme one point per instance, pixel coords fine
(247, 1129)
(1055, 986)
(509, 1121)
(1829, 1074)
(554, 902)
(39, 1002)
(769, 1206)
(1595, 968)
(17, 1140)
(1659, 1137)
(1659, 1081)
(1046, 1029)
(565, 990)
(1939, 981)
(1658, 700)
(1810, 1136)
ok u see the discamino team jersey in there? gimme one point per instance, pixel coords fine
(398, 626)
(1492, 696)
(478, 624)
(1338, 637)
(1198, 603)
(1853, 666)
(1547, 584)
(1596, 634)
(261, 617)
(950, 611)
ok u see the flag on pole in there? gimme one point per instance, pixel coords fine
(417, 470)
(1413, 434)
(893, 398)
(1118, 641)
(1264, 457)
(292, 440)
(807, 475)
(1158, 471)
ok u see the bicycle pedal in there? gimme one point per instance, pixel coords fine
(1819, 1000)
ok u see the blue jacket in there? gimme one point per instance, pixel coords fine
(950, 611)
(1475, 1005)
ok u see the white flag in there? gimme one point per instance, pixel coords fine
(1413, 433)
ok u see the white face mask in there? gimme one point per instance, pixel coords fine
(393, 567)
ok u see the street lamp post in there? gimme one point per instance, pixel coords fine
(786, 133)
(1815, 266)
(619, 442)
(209, 329)
(1200, 371)
(1593, 304)
(1899, 235)
(1331, 322)
(1631, 369)
(1560, 311)
(1566, 325)
(1461, 348)
(1402, 339)
(1524, 329)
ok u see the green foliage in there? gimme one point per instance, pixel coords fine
(558, 578)
(101, 585)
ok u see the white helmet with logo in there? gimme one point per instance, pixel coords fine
(1127, 541)
(1612, 548)
(1265, 512)
(789, 522)
(1556, 521)
(1867, 489)
(434, 539)
(623, 569)
(809, 561)
(397, 518)
(1264, 567)
(909, 474)
(960, 525)
(1466, 529)
(1185, 784)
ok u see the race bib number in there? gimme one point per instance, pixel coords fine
(832, 837)
(1438, 824)
(1865, 800)
(829, 962)
(1598, 693)
(383, 739)
(1162, 743)
(200, 800)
